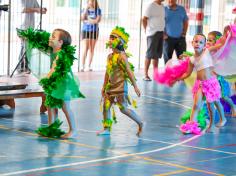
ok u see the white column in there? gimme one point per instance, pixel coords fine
(217, 13)
(123, 13)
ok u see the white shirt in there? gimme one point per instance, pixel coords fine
(156, 18)
(203, 61)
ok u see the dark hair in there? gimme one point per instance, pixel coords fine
(120, 47)
(200, 35)
(64, 36)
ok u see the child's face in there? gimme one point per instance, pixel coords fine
(198, 43)
(211, 40)
(112, 41)
(54, 40)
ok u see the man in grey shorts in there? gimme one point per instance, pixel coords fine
(153, 23)
(29, 8)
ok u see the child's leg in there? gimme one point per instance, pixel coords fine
(197, 104)
(92, 43)
(211, 112)
(49, 115)
(222, 114)
(52, 115)
(211, 128)
(55, 112)
(107, 120)
(131, 114)
(72, 133)
(232, 105)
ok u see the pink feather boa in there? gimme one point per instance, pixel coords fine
(171, 73)
(190, 127)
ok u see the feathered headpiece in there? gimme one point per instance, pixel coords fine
(120, 32)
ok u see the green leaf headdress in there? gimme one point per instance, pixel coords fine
(121, 37)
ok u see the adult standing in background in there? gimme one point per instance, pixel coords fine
(153, 23)
(0, 10)
(176, 25)
(29, 8)
(91, 16)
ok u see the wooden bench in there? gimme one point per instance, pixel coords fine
(7, 97)
(12, 86)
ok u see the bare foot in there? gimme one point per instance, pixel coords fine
(70, 134)
(213, 129)
(233, 113)
(221, 123)
(140, 129)
(104, 132)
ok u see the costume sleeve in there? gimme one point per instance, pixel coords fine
(224, 59)
(99, 12)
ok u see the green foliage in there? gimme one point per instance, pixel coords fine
(201, 118)
(52, 131)
(36, 39)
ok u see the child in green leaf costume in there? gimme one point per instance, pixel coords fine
(119, 72)
(60, 85)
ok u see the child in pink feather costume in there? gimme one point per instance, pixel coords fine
(206, 84)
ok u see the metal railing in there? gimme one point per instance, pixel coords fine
(66, 14)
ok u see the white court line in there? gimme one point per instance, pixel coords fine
(144, 139)
(186, 107)
(171, 143)
(121, 156)
(189, 146)
(151, 140)
(99, 160)
(184, 101)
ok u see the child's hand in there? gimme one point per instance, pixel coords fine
(182, 56)
(137, 91)
(173, 83)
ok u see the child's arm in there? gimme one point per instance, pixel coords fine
(84, 15)
(106, 78)
(188, 73)
(104, 84)
(95, 21)
(130, 73)
(186, 54)
(54, 64)
(218, 45)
